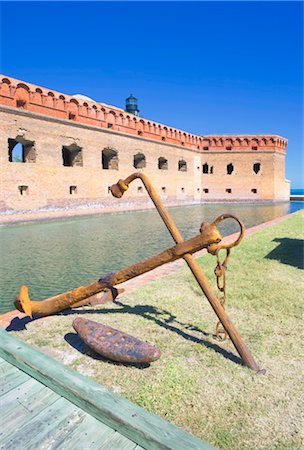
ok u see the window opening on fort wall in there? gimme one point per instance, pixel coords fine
(109, 159)
(207, 169)
(228, 190)
(162, 163)
(206, 190)
(23, 190)
(182, 166)
(21, 150)
(139, 161)
(230, 168)
(73, 190)
(72, 156)
(254, 190)
(256, 167)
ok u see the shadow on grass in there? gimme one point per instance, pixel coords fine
(161, 317)
(165, 320)
(18, 324)
(76, 342)
(290, 251)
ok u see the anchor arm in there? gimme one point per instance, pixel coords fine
(209, 235)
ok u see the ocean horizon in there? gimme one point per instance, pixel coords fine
(296, 191)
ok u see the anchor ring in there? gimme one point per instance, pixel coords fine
(215, 248)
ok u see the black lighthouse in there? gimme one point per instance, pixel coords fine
(131, 105)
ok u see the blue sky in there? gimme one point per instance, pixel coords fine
(206, 67)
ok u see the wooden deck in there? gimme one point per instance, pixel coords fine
(45, 405)
(34, 416)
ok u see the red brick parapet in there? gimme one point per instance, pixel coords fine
(28, 97)
(241, 143)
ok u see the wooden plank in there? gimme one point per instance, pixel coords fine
(117, 441)
(55, 433)
(145, 429)
(46, 429)
(20, 395)
(6, 367)
(5, 371)
(88, 435)
(11, 380)
(3, 362)
(21, 404)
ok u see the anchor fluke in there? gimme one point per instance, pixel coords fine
(23, 303)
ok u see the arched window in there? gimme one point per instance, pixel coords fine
(162, 163)
(139, 161)
(230, 168)
(21, 150)
(182, 166)
(205, 168)
(72, 156)
(256, 167)
(109, 159)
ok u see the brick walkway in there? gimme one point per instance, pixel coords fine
(131, 285)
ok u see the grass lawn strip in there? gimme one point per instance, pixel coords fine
(195, 384)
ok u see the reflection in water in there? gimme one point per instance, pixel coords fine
(53, 257)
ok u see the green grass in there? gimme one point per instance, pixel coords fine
(194, 384)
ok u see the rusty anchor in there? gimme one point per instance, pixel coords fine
(208, 238)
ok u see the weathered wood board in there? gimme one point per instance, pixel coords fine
(127, 419)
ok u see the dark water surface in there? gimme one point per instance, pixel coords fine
(52, 257)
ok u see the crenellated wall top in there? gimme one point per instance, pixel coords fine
(25, 96)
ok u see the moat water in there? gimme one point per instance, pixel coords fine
(52, 257)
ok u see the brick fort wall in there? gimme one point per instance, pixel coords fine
(72, 151)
